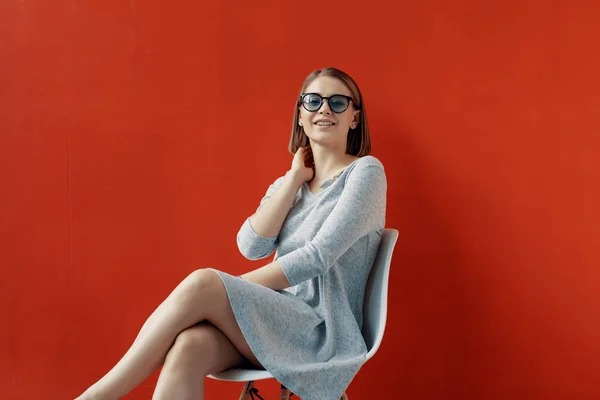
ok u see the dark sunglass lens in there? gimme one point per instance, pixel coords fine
(338, 103)
(312, 102)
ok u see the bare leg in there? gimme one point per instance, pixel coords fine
(197, 352)
(201, 296)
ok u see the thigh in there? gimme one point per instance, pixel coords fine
(221, 315)
(205, 349)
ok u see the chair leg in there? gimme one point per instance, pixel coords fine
(246, 390)
(249, 391)
(285, 393)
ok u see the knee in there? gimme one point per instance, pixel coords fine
(194, 343)
(202, 278)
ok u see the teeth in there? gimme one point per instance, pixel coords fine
(323, 123)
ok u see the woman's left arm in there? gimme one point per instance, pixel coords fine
(271, 276)
(359, 211)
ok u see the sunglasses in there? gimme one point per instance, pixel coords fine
(338, 103)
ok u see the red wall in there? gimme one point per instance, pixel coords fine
(135, 138)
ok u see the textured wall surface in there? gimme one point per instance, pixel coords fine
(136, 137)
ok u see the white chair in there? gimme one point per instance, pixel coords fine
(374, 317)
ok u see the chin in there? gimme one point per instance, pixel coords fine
(326, 141)
(317, 133)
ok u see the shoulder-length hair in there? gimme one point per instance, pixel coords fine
(359, 141)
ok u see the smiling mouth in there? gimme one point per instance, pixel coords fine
(323, 123)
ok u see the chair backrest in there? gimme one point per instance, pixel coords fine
(376, 293)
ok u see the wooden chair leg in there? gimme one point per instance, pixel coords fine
(249, 392)
(285, 393)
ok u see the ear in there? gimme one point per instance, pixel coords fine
(355, 119)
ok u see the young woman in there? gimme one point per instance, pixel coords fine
(300, 316)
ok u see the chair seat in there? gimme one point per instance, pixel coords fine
(241, 375)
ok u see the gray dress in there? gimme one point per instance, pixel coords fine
(308, 336)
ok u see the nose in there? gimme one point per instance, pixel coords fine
(325, 107)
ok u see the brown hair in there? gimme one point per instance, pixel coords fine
(359, 141)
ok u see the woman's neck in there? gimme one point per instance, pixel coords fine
(328, 165)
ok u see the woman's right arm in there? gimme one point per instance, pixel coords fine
(269, 217)
(258, 235)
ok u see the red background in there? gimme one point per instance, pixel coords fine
(136, 137)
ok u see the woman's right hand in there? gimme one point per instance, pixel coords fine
(303, 166)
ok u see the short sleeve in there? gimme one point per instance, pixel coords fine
(360, 210)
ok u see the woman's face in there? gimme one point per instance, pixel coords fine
(323, 125)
